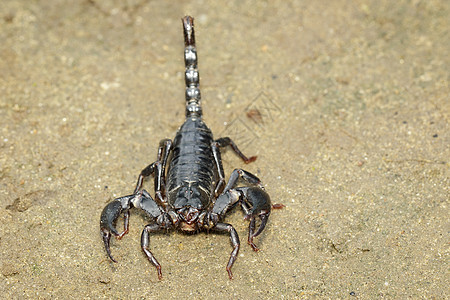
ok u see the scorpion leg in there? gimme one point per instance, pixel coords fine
(222, 227)
(218, 160)
(223, 142)
(226, 141)
(247, 176)
(145, 202)
(145, 241)
(109, 217)
(223, 203)
(147, 171)
(164, 148)
(159, 166)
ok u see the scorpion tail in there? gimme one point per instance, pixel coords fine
(192, 78)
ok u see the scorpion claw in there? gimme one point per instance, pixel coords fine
(252, 234)
(256, 203)
(109, 217)
(264, 218)
(106, 235)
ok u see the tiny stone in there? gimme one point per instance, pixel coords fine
(104, 279)
(9, 269)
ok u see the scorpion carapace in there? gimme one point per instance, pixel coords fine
(191, 195)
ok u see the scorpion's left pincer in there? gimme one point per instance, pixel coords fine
(255, 202)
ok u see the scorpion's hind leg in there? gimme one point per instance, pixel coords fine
(215, 146)
(255, 202)
(247, 176)
(165, 146)
(158, 167)
(220, 173)
(109, 217)
(226, 141)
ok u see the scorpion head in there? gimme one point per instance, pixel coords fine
(188, 206)
(189, 218)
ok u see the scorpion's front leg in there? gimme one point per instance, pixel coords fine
(162, 219)
(224, 203)
(145, 241)
(234, 238)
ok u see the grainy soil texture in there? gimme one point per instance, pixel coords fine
(345, 103)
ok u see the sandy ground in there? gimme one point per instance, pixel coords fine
(346, 104)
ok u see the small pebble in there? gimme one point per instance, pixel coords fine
(9, 269)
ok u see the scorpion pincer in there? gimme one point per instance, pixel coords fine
(192, 195)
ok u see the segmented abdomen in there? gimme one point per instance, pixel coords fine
(192, 159)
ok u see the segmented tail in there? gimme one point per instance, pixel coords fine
(192, 78)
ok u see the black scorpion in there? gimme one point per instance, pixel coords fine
(192, 195)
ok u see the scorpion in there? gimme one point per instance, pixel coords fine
(192, 196)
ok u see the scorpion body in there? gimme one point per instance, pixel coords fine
(194, 196)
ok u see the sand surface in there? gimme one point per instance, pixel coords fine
(346, 104)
